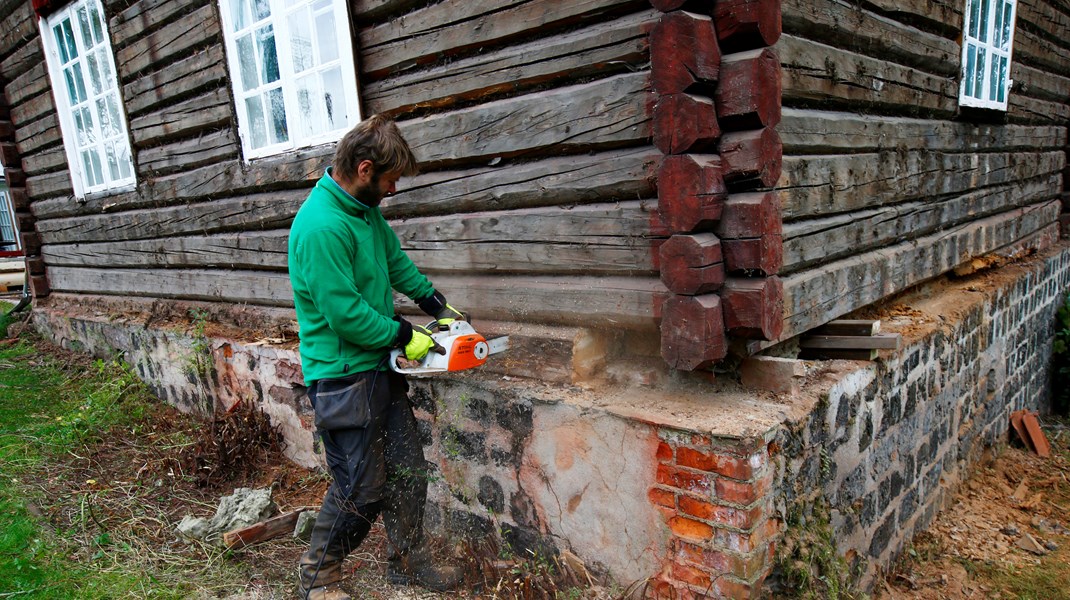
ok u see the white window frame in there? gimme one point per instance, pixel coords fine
(93, 141)
(987, 37)
(279, 20)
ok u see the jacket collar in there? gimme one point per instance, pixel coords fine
(342, 198)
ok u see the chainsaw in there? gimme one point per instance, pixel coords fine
(464, 349)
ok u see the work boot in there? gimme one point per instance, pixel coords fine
(418, 568)
(331, 591)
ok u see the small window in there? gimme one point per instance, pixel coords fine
(82, 70)
(291, 64)
(986, 53)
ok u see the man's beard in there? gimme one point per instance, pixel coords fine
(369, 195)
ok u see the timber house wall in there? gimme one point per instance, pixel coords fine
(755, 167)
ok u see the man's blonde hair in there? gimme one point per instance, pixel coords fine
(379, 140)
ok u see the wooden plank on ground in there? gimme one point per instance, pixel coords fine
(452, 27)
(590, 52)
(824, 185)
(848, 327)
(817, 296)
(880, 341)
(609, 112)
(262, 531)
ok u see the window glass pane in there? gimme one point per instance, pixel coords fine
(64, 56)
(76, 71)
(72, 89)
(84, 29)
(997, 39)
(239, 14)
(975, 12)
(107, 75)
(971, 64)
(95, 78)
(979, 74)
(982, 34)
(113, 113)
(334, 99)
(262, 9)
(122, 154)
(98, 171)
(113, 163)
(94, 19)
(1004, 63)
(257, 125)
(279, 132)
(993, 79)
(301, 41)
(88, 131)
(304, 107)
(68, 40)
(265, 42)
(1005, 28)
(247, 63)
(326, 38)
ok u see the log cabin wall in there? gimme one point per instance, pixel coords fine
(886, 181)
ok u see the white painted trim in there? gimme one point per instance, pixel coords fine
(991, 50)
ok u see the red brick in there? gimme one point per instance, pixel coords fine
(745, 542)
(722, 464)
(684, 479)
(690, 529)
(662, 497)
(724, 515)
(742, 566)
(691, 576)
(664, 452)
(739, 492)
(737, 590)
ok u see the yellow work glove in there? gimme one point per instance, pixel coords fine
(447, 316)
(421, 343)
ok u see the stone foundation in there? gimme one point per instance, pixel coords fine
(686, 487)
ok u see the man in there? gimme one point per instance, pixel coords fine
(344, 262)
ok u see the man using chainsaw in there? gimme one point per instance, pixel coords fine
(345, 262)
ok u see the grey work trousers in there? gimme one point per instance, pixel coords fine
(377, 463)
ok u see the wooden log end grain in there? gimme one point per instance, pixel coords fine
(751, 158)
(747, 24)
(692, 264)
(749, 92)
(685, 123)
(750, 215)
(753, 308)
(762, 255)
(692, 332)
(691, 191)
(684, 54)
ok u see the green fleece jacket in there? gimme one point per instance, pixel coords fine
(344, 260)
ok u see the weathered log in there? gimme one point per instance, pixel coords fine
(145, 16)
(175, 80)
(822, 240)
(753, 307)
(452, 28)
(941, 16)
(692, 332)
(165, 45)
(817, 296)
(262, 531)
(29, 84)
(39, 285)
(1045, 19)
(691, 191)
(824, 185)
(692, 264)
(593, 52)
(31, 242)
(39, 134)
(609, 112)
(749, 215)
(252, 287)
(48, 185)
(669, 5)
(22, 60)
(9, 154)
(19, 198)
(815, 73)
(41, 162)
(685, 123)
(748, 95)
(15, 177)
(806, 131)
(1039, 52)
(751, 158)
(684, 55)
(17, 27)
(747, 24)
(850, 26)
(1036, 83)
(1022, 109)
(245, 250)
(188, 153)
(178, 119)
(29, 110)
(748, 257)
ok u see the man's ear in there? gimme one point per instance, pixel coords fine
(365, 171)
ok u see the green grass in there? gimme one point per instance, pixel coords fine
(45, 413)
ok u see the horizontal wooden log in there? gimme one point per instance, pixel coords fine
(592, 52)
(25, 58)
(852, 27)
(882, 341)
(943, 17)
(145, 16)
(33, 108)
(816, 241)
(753, 307)
(188, 153)
(611, 239)
(39, 134)
(1044, 18)
(176, 40)
(260, 211)
(451, 28)
(684, 54)
(1022, 109)
(247, 250)
(251, 287)
(15, 177)
(685, 123)
(819, 75)
(691, 191)
(817, 296)
(19, 198)
(205, 112)
(757, 256)
(48, 185)
(668, 5)
(751, 158)
(823, 185)
(175, 80)
(29, 84)
(750, 215)
(692, 264)
(364, 11)
(17, 27)
(748, 95)
(805, 131)
(9, 155)
(1039, 52)
(43, 162)
(1035, 83)
(747, 24)
(604, 113)
(31, 242)
(692, 332)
